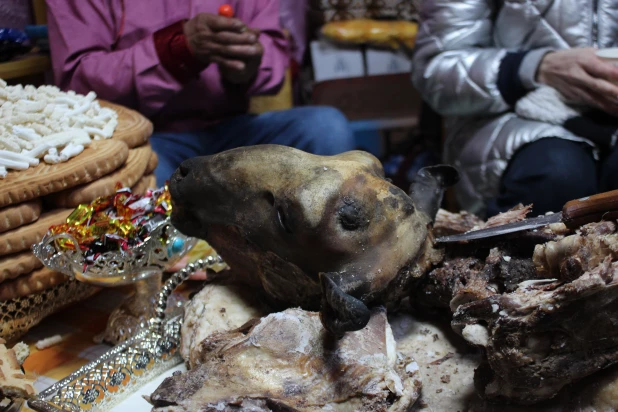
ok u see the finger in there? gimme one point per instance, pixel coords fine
(238, 51)
(575, 94)
(229, 37)
(257, 32)
(228, 63)
(597, 68)
(220, 23)
(604, 88)
(593, 99)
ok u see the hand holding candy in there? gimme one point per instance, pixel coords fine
(222, 40)
(252, 62)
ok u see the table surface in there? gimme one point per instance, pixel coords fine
(25, 66)
(77, 325)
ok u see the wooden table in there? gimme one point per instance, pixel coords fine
(28, 65)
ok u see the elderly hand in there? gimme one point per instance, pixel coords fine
(582, 77)
(226, 42)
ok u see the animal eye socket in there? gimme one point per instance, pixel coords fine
(350, 217)
(283, 222)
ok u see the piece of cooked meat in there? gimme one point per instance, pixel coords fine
(570, 257)
(288, 360)
(459, 280)
(544, 335)
(516, 214)
(437, 289)
(448, 223)
(216, 308)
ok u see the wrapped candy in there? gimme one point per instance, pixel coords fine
(114, 223)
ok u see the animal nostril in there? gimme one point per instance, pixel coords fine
(184, 169)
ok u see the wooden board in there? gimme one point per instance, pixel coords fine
(18, 264)
(127, 176)
(25, 66)
(101, 158)
(22, 238)
(13, 217)
(133, 128)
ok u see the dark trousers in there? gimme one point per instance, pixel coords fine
(550, 172)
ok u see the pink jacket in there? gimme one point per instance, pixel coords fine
(108, 46)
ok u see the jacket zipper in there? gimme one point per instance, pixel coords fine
(595, 23)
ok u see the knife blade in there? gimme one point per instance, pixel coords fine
(575, 214)
(527, 224)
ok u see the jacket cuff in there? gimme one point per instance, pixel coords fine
(509, 84)
(529, 67)
(175, 55)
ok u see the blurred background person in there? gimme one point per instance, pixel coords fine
(189, 70)
(530, 107)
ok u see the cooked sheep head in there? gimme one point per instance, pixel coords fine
(309, 229)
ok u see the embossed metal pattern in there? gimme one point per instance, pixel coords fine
(160, 250)
(104, 383)
(18, 315)
(107, 381)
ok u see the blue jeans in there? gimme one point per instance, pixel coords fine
(317, 130)
(550, 172)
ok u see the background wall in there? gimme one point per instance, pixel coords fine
(14, 14)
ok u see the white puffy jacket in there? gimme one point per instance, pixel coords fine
(457, 63)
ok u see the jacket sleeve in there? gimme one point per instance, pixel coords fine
(82, 34)
(455, 64)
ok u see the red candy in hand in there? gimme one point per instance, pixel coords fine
(226, 10)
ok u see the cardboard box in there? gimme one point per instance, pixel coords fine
(336, 62)
(387, 62)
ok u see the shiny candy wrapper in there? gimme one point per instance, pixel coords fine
(113, 223)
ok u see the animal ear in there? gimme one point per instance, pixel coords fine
(427, 188)
(367, 159)
(341, 312)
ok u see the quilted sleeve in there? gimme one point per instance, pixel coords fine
(455, 63)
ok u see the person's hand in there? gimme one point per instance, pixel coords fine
(252, 63)
(582, 78)
(226, 42)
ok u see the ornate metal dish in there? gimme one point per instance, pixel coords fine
(107, 381)
(160, 250)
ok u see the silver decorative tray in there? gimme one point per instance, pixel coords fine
(163, 247)
(104, 383)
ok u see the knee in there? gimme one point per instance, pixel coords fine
(571, 180)
(550, 174)
(609, 172)
(326, 130)
(559, 165)
(611, 164)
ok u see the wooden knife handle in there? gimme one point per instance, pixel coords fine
(603, 206)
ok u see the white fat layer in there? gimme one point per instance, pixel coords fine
(476, 334)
